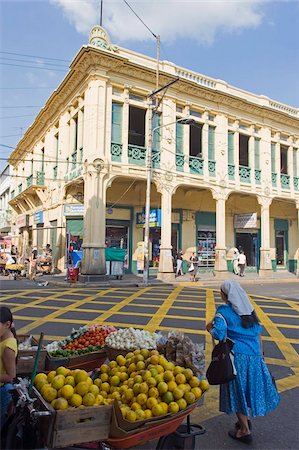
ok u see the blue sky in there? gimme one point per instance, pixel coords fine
(250, 44)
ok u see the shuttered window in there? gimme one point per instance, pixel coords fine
(179, 143)
(211, 138)
(116, 133)
(230, 147)
(257, 153)
(157, 132)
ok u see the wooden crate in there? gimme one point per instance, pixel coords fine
(88, 361)
(25, 361)
(73, 426)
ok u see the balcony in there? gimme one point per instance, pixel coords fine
(212, 168)
(257, 176)
(274, 179)
(74, 173)
(296, 183)
(29, 180)
(136, 155)
(244, 174)
(285, 181)
(156, 158)
(116, 151)
(32, 184)
(231, 171)
(196, 165)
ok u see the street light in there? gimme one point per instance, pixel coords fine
(183, 121)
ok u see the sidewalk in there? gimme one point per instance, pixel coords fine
(203, 280)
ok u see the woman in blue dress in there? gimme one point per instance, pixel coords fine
(253, 387)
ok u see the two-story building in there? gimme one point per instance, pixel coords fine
(230, 179)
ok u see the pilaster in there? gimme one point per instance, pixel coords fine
(265, 255)
(166, 263)
(220, 268)
(94, 262)
(297, 206)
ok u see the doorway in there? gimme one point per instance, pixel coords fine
(280, 240)
(248, 243)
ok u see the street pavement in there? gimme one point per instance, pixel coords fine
(56, 310)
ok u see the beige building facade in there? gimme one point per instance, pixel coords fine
(230, 179)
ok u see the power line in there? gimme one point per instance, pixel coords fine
(34, 56)
(32, 67)
(36, 87)
(31, 62)
(139, 18)
(16, 117)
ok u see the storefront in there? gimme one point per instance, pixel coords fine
(74, 226)
(247, 237)
(118, 235)
(206, 239)
(155, 234)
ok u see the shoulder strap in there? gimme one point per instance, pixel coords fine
(221, 316)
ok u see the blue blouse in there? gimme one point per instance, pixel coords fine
(246, 339)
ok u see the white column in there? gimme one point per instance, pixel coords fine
(265, 158)
(265, 255)
(165, 263)
(251, 156)
(94, 263)
(168, 141)
(291, 168)
(125, 127)
(205, 146)
(220, 268)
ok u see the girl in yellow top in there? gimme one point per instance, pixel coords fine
(8, 354)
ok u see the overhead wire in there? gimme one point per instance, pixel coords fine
(33, 67)
(34, 56)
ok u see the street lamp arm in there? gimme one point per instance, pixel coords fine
(183, 121)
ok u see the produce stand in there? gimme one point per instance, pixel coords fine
(14, 270)
(26, 357)
(88, 361)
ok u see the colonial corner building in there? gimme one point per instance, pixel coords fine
(230, 179)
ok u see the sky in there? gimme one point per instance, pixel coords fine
(250, 44)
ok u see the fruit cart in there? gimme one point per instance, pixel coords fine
(14, 270)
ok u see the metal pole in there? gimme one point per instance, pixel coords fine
(148, 195)
(158, 62)
(101, 13)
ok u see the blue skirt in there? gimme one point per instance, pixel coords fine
(253, 388)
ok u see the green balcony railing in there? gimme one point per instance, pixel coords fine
(296, 183)
(40, 178)
(179, 162)
(285, 181)
(29, 180)
(274, 179)
(212, 167)
(196, 165)
(258, 176)
(75, 173)
(136, 155)
(231, 171)
(244, 174)
(156, 158)
(116, 151)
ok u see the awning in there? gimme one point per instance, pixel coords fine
(74, 227)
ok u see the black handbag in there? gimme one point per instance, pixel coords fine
(221, 369)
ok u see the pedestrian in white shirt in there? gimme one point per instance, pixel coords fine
(241, 263)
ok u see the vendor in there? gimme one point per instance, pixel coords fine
(48, 250)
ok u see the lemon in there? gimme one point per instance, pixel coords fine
(89, 399)
(189, 397)
(173, 407)
(51, 375)
(75, 400)
(151, 402)
(67, 391)
(82, 388)
(140, 415)
(157, 410)
(167, 397)
(194, 382)
(94, 390)
(40, 377)
(99, 399)
(164, 407)
(115, 380)
(98, 382)
(61, 403)
(81, 375)
(197, 392)
(172, 385)
(162, 387)
(135, 406)
(62, 371)
(70, 380)
(58, 381)
(148, 413)
(153, 392)
(50, 394)
(178, 393)
(141, 399)
(131, 415)
(204, 385)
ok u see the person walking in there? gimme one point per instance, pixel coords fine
(241, 263)
(253, 388)
(179, 262)
(235, 261)
(193, 266)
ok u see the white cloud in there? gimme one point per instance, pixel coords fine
(172, 19)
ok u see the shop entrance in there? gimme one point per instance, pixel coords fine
(118, 236)
(280, 239)
(248, 242)
(155, 240)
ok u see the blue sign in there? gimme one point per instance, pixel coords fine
(73, 210)
(38, 217)
(154, 219)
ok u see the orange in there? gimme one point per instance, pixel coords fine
(81, 375)
(131, 416)
(168, 376)
(82, 388)
(172, 385)
(204, 385)
(178, 393)
(197, 392)
(157, 410)
(153, 392)
(189, 397)
(162, 388)
(173, 407)
(180, 378)
(58, 381)
(194, 382)
(167, 397)
(182, 403)
(67, 392)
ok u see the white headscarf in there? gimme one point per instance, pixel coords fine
(237, 297)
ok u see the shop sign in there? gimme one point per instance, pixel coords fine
(248, 220)
(22, 221)
(38, 217)
(154, 219)
(73, 210)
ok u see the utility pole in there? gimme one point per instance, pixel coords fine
(101, 13)
(148, 193)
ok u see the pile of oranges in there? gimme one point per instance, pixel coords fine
(143, 382)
